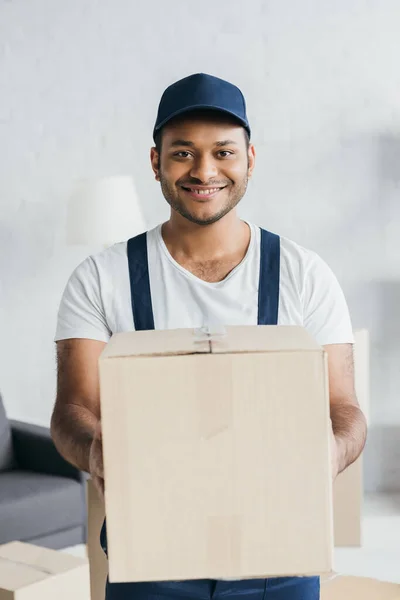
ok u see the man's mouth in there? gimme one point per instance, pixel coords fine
(202, 192)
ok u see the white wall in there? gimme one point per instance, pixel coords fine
(79, 88)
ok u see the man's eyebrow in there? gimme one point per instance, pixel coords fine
(188, 144)
(225, 143)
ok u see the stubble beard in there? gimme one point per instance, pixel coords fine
(172, 197)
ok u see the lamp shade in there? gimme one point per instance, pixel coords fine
(103, 212)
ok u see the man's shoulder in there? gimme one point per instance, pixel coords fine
(308, 266)
(98, 264)
(293, 253)
(111, 255)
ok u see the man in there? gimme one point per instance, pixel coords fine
(203, 265)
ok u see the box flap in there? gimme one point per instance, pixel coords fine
(24, 564)
(358, 588)
(154, 343)
(264, 338)
(261, 338)
(14, 576)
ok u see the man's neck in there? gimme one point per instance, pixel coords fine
(201, 243)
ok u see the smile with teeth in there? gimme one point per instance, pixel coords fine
(202, 192)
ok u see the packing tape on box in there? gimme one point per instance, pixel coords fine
(215, 411)
(212, 333)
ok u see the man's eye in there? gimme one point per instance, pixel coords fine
(182, 154)
(225, 153)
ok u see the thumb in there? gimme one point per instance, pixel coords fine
(98, 431)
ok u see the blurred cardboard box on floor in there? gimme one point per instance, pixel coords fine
(30, 572)
(216, 454)
(344, 587)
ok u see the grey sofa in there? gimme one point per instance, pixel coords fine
(42, 497)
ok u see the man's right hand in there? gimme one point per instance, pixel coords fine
(96, 461)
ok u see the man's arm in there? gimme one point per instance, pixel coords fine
(348, 421)
(76, 413)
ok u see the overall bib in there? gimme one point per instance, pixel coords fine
(278, 588)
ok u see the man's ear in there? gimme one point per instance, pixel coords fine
(251, 160)
(155, 163)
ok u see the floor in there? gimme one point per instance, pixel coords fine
(379, 556)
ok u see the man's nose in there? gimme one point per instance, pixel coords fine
(204, 169)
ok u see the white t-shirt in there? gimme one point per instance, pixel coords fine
(97, 299)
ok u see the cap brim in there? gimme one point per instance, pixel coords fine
(190, 109)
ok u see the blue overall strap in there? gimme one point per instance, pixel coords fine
(140, 283)
(268, 287)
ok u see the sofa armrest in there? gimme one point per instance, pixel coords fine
(34, 450)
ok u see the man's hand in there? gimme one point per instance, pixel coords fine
(96, 461)
(348, 422)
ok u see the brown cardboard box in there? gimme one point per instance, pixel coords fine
(226, 444)
(348, 487)
(29, 572)
(347, 506)
(97, 559)
(358, 588)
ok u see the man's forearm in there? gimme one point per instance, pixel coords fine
(72, 430)
(350, 430)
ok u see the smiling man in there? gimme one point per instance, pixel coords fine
(204, 265)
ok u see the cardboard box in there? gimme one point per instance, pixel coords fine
(358, 588)
(216, 454)
(347, 506)
(97, 559)
(348, 487)
(30, 572)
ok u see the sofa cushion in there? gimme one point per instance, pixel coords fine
(6, 450)
(33, 505)
(62, 539)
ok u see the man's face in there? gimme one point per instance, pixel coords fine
(204, 166)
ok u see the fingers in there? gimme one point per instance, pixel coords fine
(97, 432)
(98, 454)
(99, 485)
(96, 460)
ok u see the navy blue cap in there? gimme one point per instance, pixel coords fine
(201, 91)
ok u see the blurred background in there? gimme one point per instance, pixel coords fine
(79, 87)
